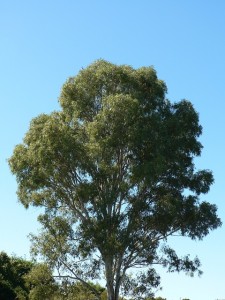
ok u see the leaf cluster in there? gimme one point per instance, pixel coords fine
(12, 281)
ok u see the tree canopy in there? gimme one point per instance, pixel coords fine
(12, 272)
(114, 170)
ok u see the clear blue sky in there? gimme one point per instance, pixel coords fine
(44, 42)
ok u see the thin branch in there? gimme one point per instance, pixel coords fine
(85, 283)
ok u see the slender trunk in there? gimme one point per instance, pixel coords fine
(118, 278)
(117, 289)
(110, 293)
(109, 278)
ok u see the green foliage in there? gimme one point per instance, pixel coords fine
(77, 291)
(41, 283)
(114, 170)
(12, 272)
(21, 279)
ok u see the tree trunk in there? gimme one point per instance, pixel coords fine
(111, 295)
(117, 289)
(118, 278)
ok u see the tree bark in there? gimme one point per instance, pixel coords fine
(113, 279)
(110, 279)
(118, 277)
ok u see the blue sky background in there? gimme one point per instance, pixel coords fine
(44, 42)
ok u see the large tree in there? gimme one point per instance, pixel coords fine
(114, 170)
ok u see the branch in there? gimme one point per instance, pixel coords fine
(76, 277)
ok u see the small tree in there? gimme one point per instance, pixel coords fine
(114, 170)
(41, 283)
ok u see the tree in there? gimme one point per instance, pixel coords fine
(41, 283)
(114, 170)
(12, 272)
(21, 279)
